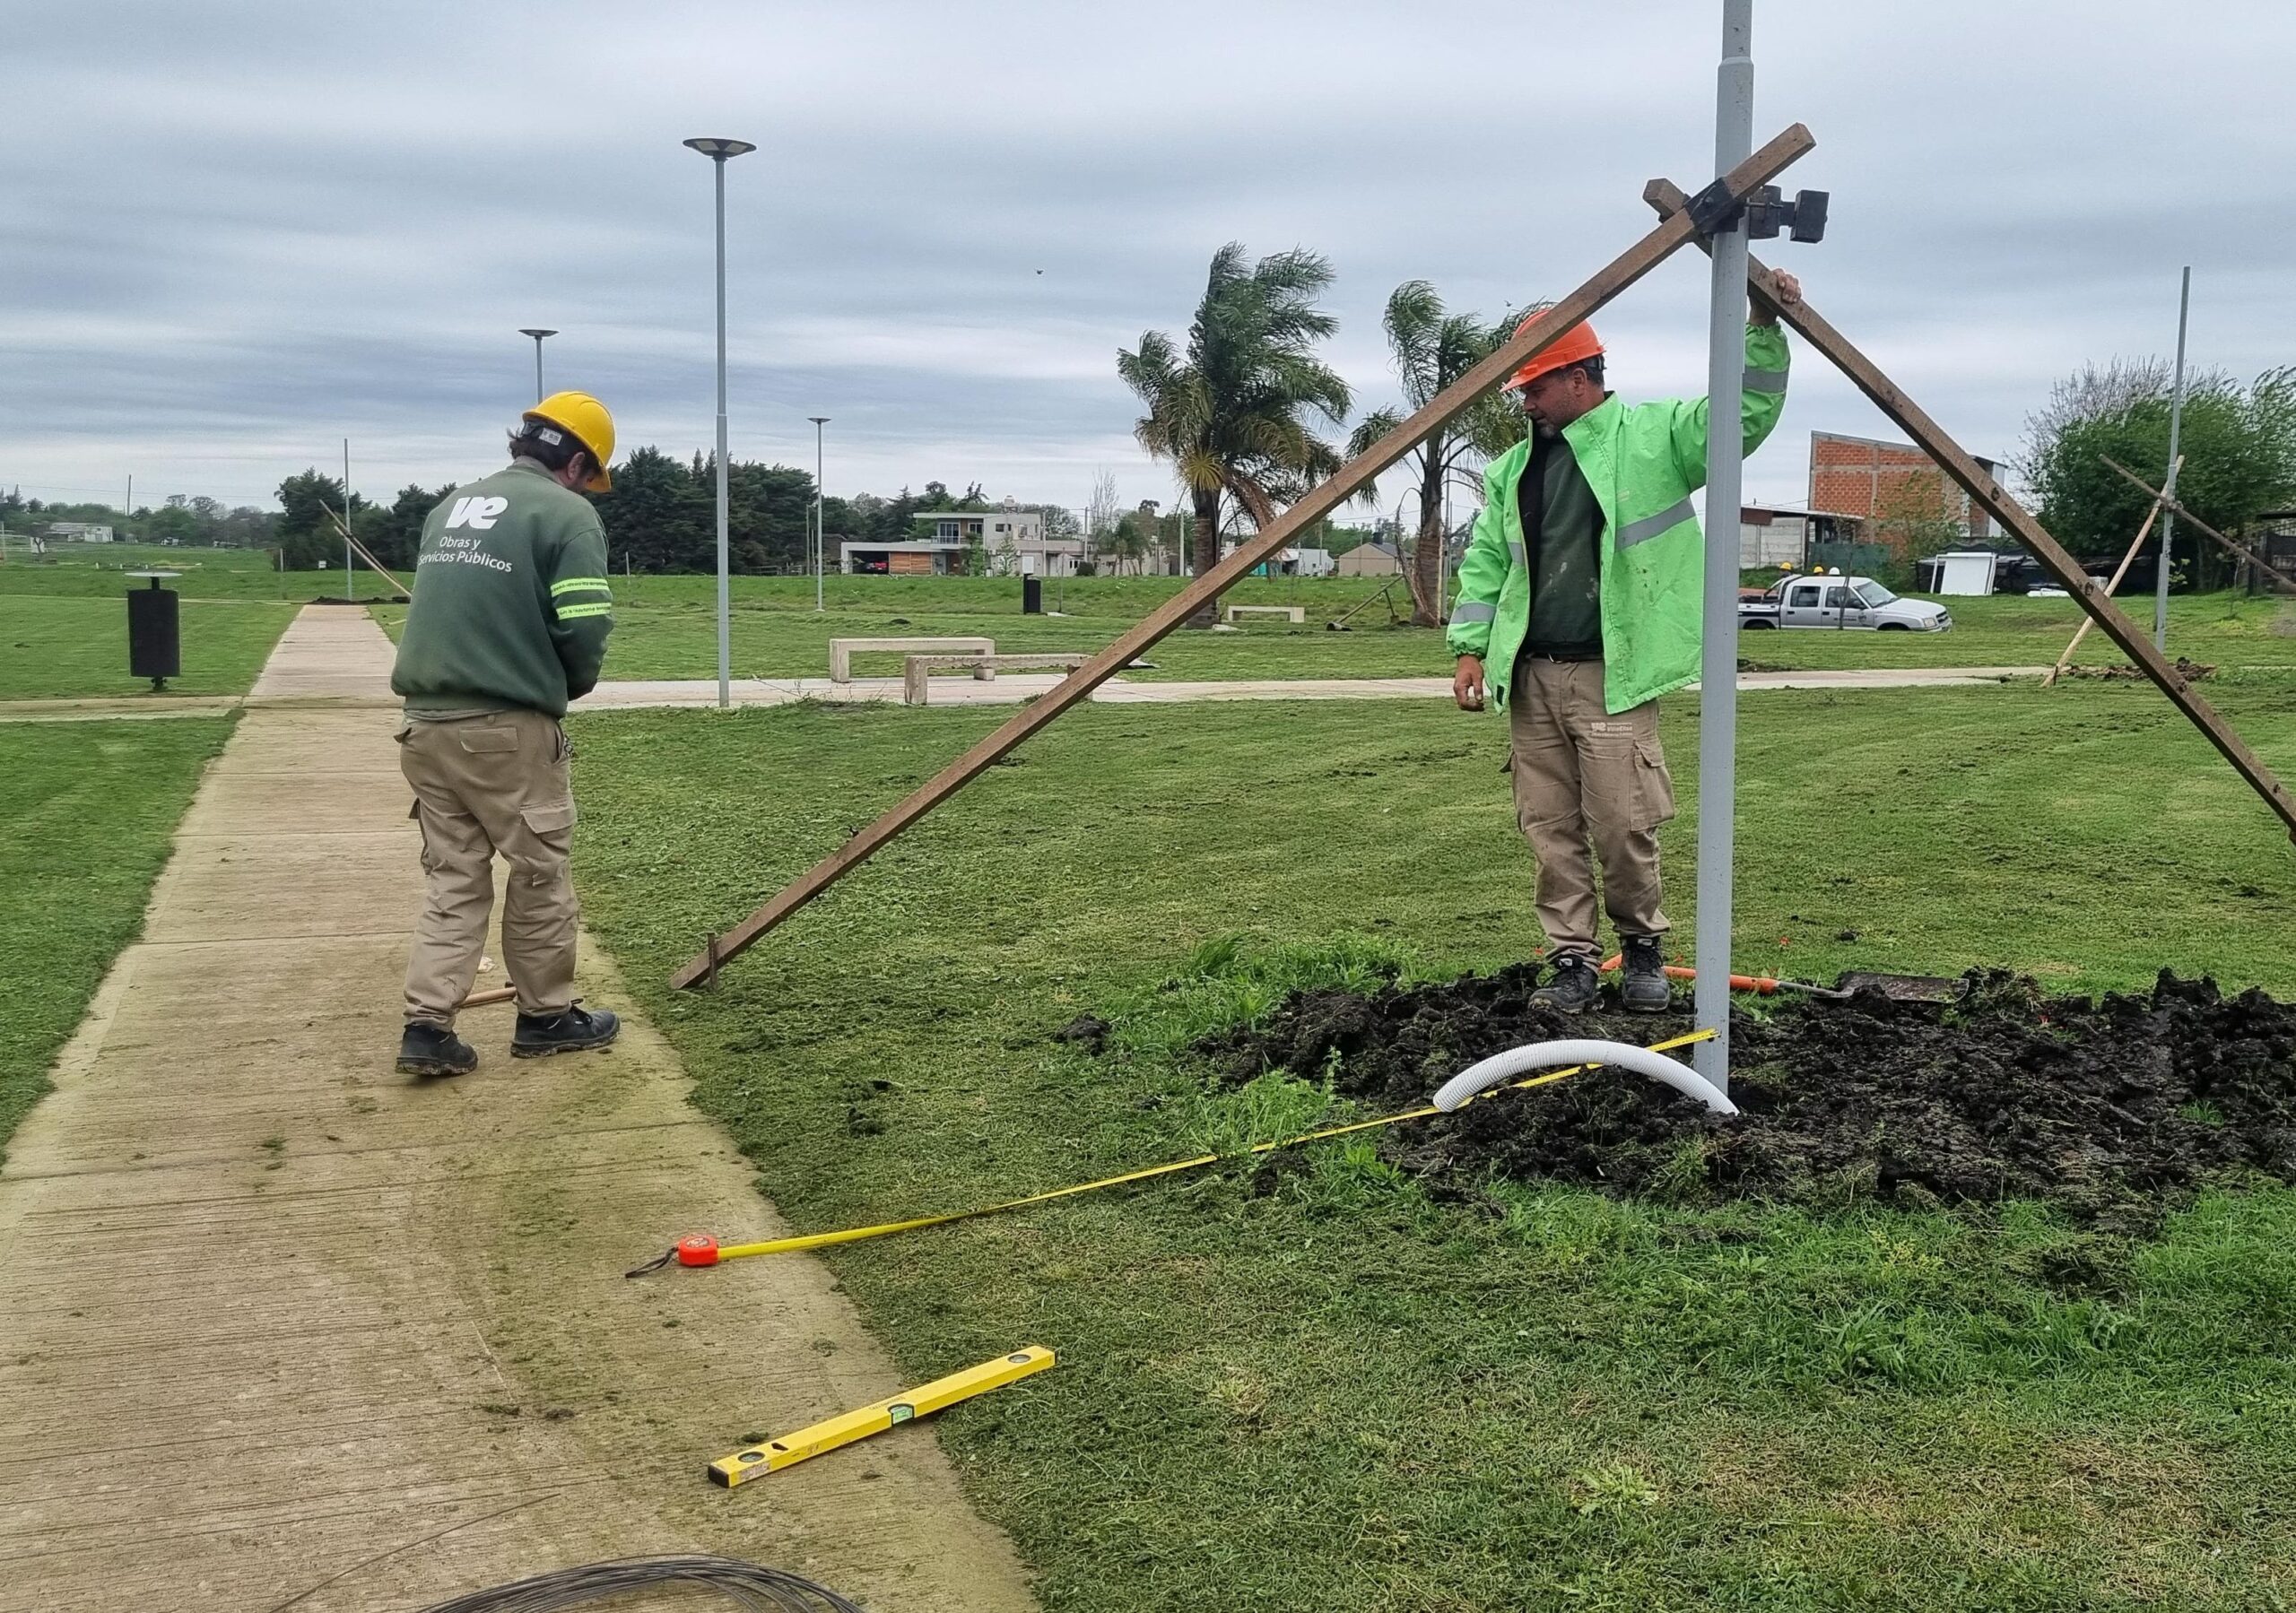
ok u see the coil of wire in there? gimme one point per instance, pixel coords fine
(744, 1584)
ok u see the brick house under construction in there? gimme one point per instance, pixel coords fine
(1890, 490)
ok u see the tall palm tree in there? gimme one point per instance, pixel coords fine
(1432, 348)
(1231, 413)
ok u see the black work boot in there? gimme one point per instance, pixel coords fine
(434, 1050)
(1573, 989)
(1643, 987)
(573, 1029)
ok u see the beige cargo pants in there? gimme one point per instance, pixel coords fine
(1580, 772)
(483, 784)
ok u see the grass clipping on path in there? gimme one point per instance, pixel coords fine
(2101, 1108)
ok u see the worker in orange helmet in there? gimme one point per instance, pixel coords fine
(1579, 604)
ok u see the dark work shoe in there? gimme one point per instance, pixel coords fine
(1573, 989)
(1643, 987)
(575, 1030)
(434, 1050)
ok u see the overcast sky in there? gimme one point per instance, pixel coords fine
(236, 234)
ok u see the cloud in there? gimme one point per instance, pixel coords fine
(242, 232)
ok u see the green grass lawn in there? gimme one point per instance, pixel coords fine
(1337, 1392)
(91, 810)
(84, 569)
(666, 627)
(61, 646)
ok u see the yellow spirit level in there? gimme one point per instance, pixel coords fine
(790, 1449)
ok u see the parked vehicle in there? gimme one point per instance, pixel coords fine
(1840, 603)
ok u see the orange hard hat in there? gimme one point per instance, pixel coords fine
(1578, 344)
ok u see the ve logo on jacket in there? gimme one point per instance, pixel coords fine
(476, 513)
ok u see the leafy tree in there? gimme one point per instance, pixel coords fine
(770, 509)
(2238, 444)
(660, 514)
(306, 532)
(392, 533)
(1432, 348)
(1231, 411)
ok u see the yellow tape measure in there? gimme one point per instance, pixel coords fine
(702, 1250)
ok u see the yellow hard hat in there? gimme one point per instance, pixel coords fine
(591, 425)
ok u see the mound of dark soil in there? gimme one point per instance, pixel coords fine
(2114, 1105)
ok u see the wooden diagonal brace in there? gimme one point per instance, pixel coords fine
(363, 554)
(1672, 236)
(2112, 585)
(2162, 500)
(1956, 462)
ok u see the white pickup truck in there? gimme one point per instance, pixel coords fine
(1839, 602)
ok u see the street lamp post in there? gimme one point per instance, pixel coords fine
(2169, 517)
(537, 335)
(820, 535)
(717, 152)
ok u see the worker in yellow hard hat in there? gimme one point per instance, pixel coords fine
(509, 622)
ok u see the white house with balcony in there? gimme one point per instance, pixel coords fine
(1009, 542)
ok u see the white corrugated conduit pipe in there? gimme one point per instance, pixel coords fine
(1554, 1055)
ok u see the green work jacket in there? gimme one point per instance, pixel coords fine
(1643, 463)
(510, 607)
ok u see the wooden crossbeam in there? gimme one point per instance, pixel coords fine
(1672, 234)
(2161, 500)
(1956, 462)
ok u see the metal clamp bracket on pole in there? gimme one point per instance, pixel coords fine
(2019, 522)
(1320, 500)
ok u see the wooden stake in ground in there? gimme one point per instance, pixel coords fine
(2238, 550)
(1955, 460)
(2119, 571)
(1671, 237)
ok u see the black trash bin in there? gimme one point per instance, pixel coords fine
(1032, 596)
(154, 642)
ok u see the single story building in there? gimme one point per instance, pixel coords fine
(1369, 560)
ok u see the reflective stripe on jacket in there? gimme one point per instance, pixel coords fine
(1643, 463)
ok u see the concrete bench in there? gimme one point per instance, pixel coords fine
(916, 669)
(841, 651)
(1295, 614)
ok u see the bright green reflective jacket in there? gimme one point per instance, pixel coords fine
(1643, 463)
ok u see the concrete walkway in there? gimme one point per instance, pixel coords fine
(329, 690)
(1012, 689)
(279, 1321)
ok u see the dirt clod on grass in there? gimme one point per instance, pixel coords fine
(2109, 1109)
(2191, 671)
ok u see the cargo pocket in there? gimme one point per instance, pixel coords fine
(1653, 790)
(478, 740)
(553, 822)
(539, 854)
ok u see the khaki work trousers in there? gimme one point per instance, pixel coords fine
(483, 784)
(1578, 772)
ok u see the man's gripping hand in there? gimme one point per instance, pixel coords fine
(1466, 683)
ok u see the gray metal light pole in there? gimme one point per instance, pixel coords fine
(717, 152)
(820, 536)
(537, 335)
(349, 597)
(2168, 516)
(1717, 699)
